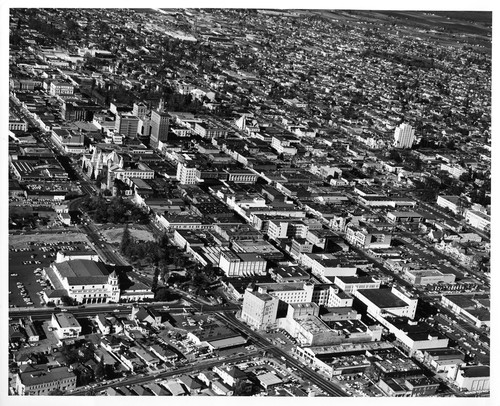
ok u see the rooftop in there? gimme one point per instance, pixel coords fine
(382, 298)
(45, 375)
(66, 320)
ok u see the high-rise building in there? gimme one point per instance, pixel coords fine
(159, 127)
(404, 136)
(259, 309)
(140, 110)
(126, 124)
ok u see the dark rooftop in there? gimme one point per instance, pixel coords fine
(383, 298)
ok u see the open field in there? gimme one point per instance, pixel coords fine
(114, 235)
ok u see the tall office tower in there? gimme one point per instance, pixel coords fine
(126, 124)
(404, 136)
(159, 127)
(140, 110)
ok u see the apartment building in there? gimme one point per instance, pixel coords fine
(404, 136)
(478, 220)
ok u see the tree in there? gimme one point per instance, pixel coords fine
(126, 242)
(100, 371)
(154, 285)
(395, 156)
(241, 388)
(67, 301)
(165, 295)
(466, 177)
(56, 392)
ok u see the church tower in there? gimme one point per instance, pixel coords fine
(113, 288)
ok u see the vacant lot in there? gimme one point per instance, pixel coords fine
(114, 235)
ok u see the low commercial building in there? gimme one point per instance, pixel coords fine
(170, 221)
(350, 284)
(368, 237)
(393, 302)
(188, 238)
(241, 176)
(393, 309)
(39, 380)
(408, 387)
(16, 124)
(285, 274)
(269, 380)
(65, 325)
(422, 386)
(327, 265)
(428, 276)
(469, 307)
(391, 387)
(216, 337)
(261, 248)
(61, 88)
(68, 141)
(473, 378)
(443, 360)
(404, 217)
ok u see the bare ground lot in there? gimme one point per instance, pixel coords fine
(114, 235)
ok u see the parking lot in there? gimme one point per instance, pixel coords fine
(26, 258)
(22, 264)
(280, 338)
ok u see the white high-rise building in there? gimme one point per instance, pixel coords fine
(159, 127)
(404, 136)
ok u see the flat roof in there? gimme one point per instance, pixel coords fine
(81, 267)
(227, 342)
(355, 279)
(37, 377)
(83, 272)
(66, 320)
(383, 298)
(476, 371)
(269, 379)
(313, 324)
(444, 352)
(462, 301)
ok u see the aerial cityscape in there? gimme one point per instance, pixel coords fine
(249, 202)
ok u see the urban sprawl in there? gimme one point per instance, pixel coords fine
(233, 202)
